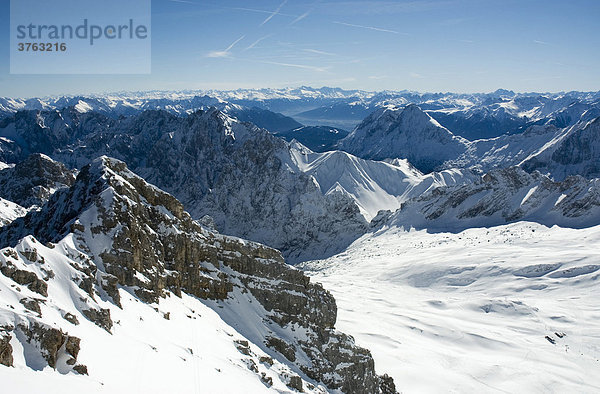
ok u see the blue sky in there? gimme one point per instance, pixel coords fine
(428, 45)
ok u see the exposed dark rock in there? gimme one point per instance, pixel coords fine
(80, 369)
(267, 380)
(100, 317)
(32, 305)
(22, 277)
(295, 383)
(50, 341)
(71, 318)
(6, 357)
(386, 384)
(289, 351)
(242, 346)
(266, 360)
(32, 181)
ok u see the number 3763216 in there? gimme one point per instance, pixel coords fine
(41, 47)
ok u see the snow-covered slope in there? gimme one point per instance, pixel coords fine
(575, 152)
(150, 348)
(502, 196)
(504, 309)
(115, 255)
(407, 133)
(373, 185)
(9, 211)
(505, 151)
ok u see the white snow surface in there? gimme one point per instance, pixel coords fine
(373, 185)
(9, 211)
(470, 311)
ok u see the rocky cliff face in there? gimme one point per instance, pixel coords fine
(118, 232)
(32, 181)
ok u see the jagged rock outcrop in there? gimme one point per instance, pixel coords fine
(32, 181)
(6, 357)
(129, 234)
(575, 152)
(52, 343)
(502, 196)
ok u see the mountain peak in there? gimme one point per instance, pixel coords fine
(407, 133)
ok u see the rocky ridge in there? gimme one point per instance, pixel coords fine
(119, 233)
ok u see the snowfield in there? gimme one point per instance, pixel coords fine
(512, 308)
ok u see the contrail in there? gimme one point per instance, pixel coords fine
(369, 28)
(274, 13)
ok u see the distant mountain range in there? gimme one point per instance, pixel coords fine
(472, 116)
(119, 215)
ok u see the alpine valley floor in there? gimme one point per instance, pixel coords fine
(512, 308)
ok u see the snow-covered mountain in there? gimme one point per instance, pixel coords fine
(106, 275)
(92, 282)
(373, 185)
(240, 175)
(407, 133)
(503, 196)
(32, 181)
(505, 151)
(575, 151)
(178, 104)
(256, 186)
(473, 116)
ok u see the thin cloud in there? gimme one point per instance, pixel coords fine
(227, 51)
(378, 77)
(540, 42)
(316, 51)
(255, 43)
(274, 13)
(416, 75)
(183, 1)
(385, 7)
(298, 19)
(230, 47)
(259, 11)
(369, 28)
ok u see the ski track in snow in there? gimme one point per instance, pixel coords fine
(469, 311)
